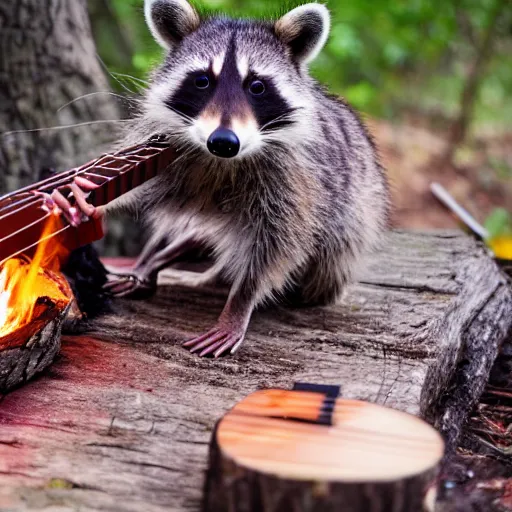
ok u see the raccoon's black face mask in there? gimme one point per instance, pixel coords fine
(230, 86)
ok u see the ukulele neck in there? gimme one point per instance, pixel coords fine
(23, 217)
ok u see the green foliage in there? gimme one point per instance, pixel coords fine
(382, 56)
(499, 223)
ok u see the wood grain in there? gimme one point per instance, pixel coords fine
(122, 420)
(366, 442)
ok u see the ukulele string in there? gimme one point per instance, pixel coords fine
(129, 155)
(78, 171)
(35, 244)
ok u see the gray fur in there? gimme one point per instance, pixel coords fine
(292, 219)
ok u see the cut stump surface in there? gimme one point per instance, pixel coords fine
(123, 418)
(270, 453)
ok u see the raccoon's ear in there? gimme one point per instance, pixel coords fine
(170, 20)
(304, 30)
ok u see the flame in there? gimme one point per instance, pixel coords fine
(23, 281)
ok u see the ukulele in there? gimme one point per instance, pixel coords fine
(23, 216)
(307, 450)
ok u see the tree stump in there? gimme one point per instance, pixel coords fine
(282, 450)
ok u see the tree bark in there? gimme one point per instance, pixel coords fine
(47, 60)
(20, 363)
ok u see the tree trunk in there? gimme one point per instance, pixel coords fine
(469, 95)
(47, 60)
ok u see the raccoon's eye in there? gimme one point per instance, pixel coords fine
(202, 81)
(256, 87)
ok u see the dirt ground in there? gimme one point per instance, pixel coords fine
(480, 177)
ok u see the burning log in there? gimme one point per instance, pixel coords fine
(34, 301)
(35, 298)
(30, 338)
(308, 451)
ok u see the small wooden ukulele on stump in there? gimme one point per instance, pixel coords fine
(306, 450)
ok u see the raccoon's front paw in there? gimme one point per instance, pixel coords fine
(130, 285)
(73, 206)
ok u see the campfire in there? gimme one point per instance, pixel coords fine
(34, 301)
(32, 290)
(34, 296)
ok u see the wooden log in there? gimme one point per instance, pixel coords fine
(122, 419)
(302, 451)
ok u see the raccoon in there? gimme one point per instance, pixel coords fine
(277, 178)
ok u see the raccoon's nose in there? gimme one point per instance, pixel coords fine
(223, 142)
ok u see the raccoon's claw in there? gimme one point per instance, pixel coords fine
(48, 203)
(130, 286)
(216, 342)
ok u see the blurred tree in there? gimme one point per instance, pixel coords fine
(483, 48)
(109, 34)
(48, 61)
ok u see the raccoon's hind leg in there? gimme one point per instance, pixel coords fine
(322, 282)
(229, 332)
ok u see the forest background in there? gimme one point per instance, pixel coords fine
(433, 79)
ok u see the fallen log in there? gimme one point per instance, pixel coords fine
(122, 419)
